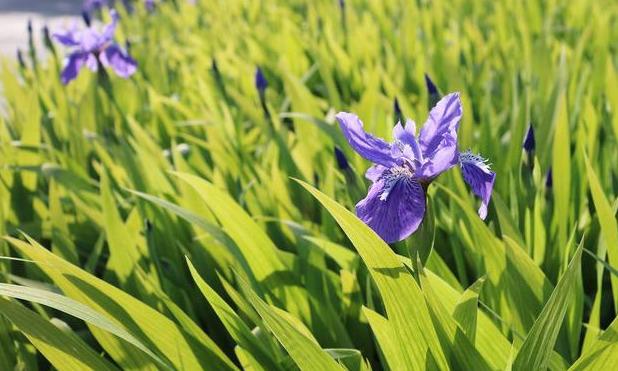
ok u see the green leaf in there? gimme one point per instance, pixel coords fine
(609, 226)
(461, 349)
(385, 340)
(467, 308)
(561, 167)
(156, 330)
(294, 337)
(536, 350)
(256, 247)
(76, 309)
(603, 353)
(405, 306)
(63, 351)
(234, 324)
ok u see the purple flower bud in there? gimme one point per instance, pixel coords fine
(529, 142)
(432, 90)
(30, 28)
(397, 111)
(86, 18)
(47, 37)
(342, 4)
(90, 6)
(20, 59)
(549, 179)
(342, 161)
(260, 81)
(431, 87)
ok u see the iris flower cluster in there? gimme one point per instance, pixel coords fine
(396, 201)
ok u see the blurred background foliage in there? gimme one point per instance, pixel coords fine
(109, 187)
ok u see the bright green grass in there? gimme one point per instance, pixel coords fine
(243, 253)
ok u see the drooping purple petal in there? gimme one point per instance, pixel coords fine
(373, 149)
(72, 66)
(399, 214)
(438, 137)
(116, 58)
(480, 178)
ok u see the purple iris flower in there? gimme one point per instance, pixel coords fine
(92, 48)
(395, 204)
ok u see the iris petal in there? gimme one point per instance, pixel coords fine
(407, 136)
(68, 37)
(373, 149)
(72, 66)
(480, 178)
(375, 172)
(108, 32)
(116, 58)
(396, 216)
(92, 63)
(438, 137)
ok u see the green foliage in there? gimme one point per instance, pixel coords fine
(177, 221)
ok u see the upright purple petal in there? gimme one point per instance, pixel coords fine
(442, 122)
(407, 137)
(116, 58)
(90, 40)
(373, 149)
(72, 66)
(110, 28)
(438, 137)
(399, 214)
(480, 178)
